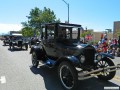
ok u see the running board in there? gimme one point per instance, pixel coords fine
(100, 71)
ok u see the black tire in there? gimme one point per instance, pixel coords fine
(68, 75)
(35, 62)
(4, 43)
(13, 47)
(10, 47)
(26, 47)
(106, 62)
(21, 47)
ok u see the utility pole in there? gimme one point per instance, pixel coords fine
(68, 8)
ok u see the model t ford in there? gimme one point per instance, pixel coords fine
(60, 47)
(17, 40)
(6, 40)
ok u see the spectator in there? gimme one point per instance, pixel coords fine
(119, 42)
(109, 42)
(104, 46)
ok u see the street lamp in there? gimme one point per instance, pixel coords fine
(68, 8)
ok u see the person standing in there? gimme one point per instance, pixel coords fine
(119, 42)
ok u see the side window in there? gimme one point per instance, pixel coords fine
(68, 34)
(50, 33)
(62, 33)
(74, 33)
(43, 33)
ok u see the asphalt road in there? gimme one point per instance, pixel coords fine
(17, 73)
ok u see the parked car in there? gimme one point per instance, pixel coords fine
(17, 40)
(6, 40)
(61, 48)
(34, 41)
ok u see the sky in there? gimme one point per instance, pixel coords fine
(98, 15)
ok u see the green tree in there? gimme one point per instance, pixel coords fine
(36, 18)
(85, 33)
(48, 16)
(27, 32)
(118, 33)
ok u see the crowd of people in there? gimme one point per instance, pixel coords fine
(111, 46)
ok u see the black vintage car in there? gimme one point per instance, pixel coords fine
(6, 40)
(34, 41)
(17, 40)
(61, 48)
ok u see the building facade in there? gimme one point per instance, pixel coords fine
(116, 29)
(97, 36)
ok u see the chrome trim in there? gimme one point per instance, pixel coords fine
(83, 76)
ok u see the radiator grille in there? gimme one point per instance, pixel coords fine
(89, 55)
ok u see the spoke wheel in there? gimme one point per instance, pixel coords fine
(106, 75)
(34, 60)
(68, 76)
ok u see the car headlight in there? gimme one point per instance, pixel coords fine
(98, 57)
(82, 58)
(37, 42)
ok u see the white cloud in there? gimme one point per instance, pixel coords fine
(5, 28)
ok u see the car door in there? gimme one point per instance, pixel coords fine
(49, 41)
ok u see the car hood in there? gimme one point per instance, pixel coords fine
(79, 49)
(80, 46)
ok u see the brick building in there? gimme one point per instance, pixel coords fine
(97, 36)
(116, 28)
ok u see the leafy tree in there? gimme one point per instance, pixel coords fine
(27, 30)
(36, 18)
(118, 32)
(85, 33)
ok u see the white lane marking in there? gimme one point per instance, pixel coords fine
(3, 79)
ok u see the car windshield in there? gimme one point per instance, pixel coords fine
(16, 37)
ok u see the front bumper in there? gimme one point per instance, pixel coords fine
(86, 75)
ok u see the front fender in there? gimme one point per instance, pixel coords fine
(39, 52)
(74, 60)
(34, 48)
(107, 55)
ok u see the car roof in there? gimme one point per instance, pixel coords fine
(16, 34)
(62, 24)
(6, 35)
